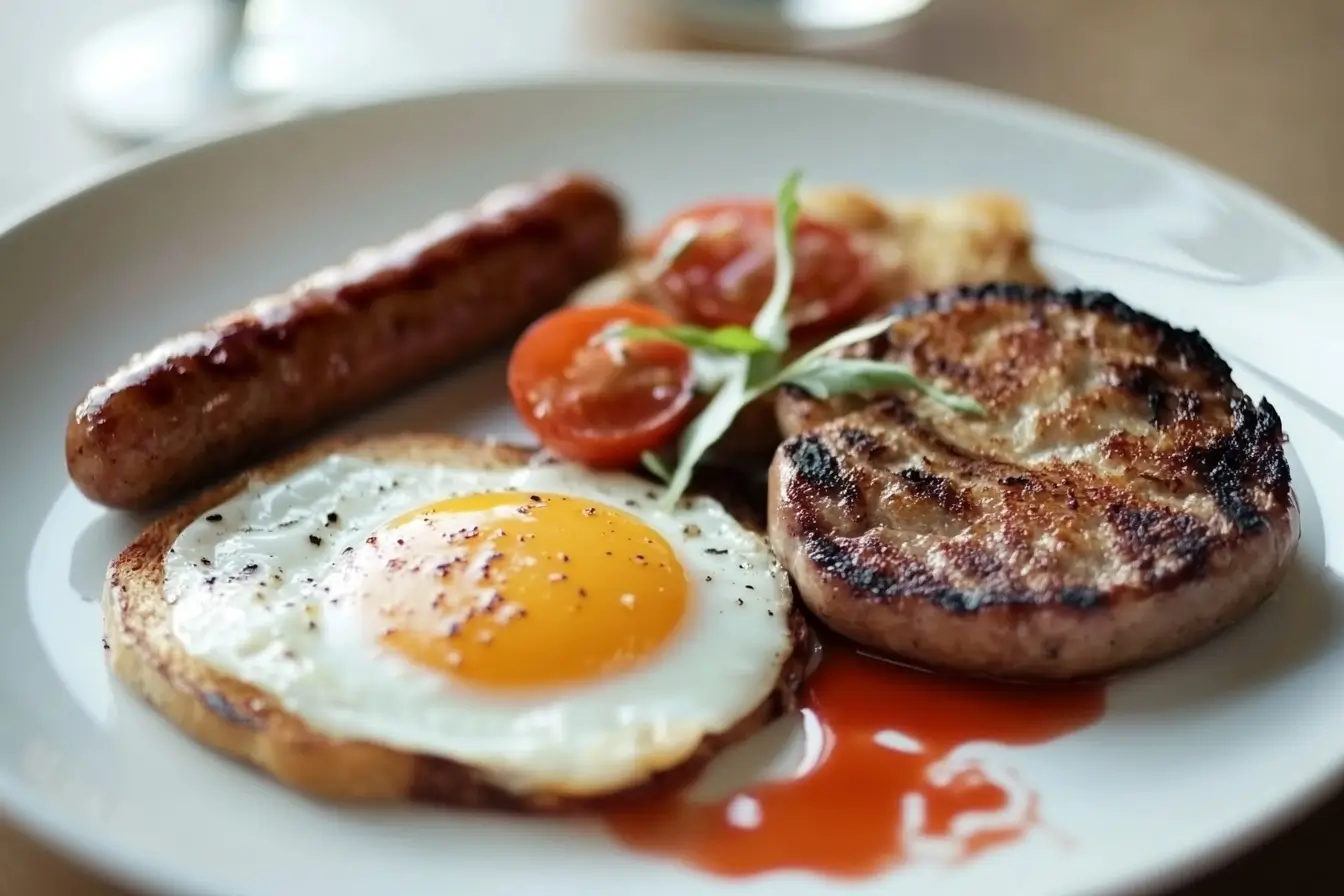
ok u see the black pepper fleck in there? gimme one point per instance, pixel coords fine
(249, 569)
(717, 551)
(332, 518)
(314, 539)
(214, 518)
(205, 561)
(739, 601)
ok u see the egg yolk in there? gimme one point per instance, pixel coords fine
(513, 590)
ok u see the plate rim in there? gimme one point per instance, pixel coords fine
(54, 827)
(668, 66)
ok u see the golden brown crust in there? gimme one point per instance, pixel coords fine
(917, 245)
(932, 244)
(203, 404)
(1121, 499)
(242, 721)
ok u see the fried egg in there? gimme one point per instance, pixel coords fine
(550, 626)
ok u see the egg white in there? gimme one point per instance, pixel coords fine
(320, 659)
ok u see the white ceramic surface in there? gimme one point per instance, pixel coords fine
(1193, 758)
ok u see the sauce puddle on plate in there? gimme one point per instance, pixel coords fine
(882, 779)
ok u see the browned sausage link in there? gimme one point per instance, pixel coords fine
(200, 405)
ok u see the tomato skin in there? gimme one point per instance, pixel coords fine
(724, 275)
(602, 403)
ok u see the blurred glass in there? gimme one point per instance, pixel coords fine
(192, 63)
(793, 23)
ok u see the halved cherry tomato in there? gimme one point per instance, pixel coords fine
(726, 273)
(599, 401)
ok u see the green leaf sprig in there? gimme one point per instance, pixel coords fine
(749, 362)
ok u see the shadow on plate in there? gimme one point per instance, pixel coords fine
(96, 546)
(1299, 623)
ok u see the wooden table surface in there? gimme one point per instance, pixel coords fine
(1253, 87)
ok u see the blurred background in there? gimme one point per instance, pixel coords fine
(1252, 87)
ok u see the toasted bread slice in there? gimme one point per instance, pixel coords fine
(916, 245)
(1120, 500)
(243, 721)
(929, 244)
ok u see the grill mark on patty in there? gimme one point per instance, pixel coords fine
(971, 559)
(895, 576)
(1160, 546)
(929, 487)
(860, 441)
(1148, 385)
(1188, 405)
(820, 468)
(1148, 535)
(1250, 455)
(1082, 598)
(1173, 342)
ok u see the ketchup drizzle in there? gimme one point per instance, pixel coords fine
(884, 780)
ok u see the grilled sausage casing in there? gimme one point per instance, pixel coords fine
(201, 404)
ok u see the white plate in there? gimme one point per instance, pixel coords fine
(1192, 759)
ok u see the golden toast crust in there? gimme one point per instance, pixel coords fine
(244, 722)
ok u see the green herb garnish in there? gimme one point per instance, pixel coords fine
(750, 362)
(729, 340)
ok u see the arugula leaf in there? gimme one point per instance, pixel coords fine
(827, 377)
(861, 333)
(654, 464)
(742, 365)
(823, 375)
(729, 340)
(711, 369)
(738, 387)
(706, 429)
(769, 323)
